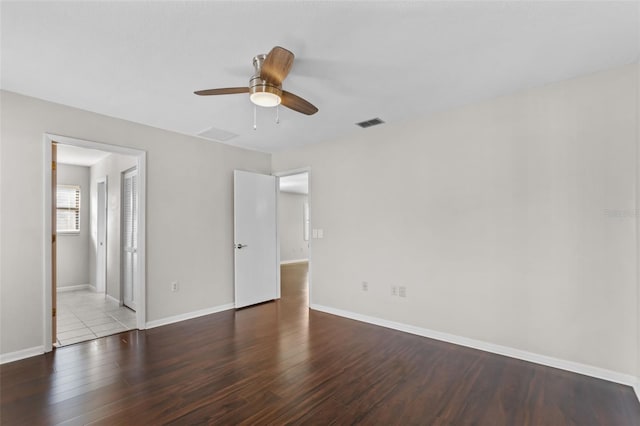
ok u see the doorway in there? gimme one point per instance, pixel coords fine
(92, 304)
(294, 233)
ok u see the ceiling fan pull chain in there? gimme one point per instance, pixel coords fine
(254, 117)
(277, 114)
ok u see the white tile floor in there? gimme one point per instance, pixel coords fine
(85, 315)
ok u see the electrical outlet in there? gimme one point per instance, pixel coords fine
(365, 286)
(394, 290)
(402, 291)
(175, 286)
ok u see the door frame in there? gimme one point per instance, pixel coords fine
(278, 175)
(141, 290)
(53, 206)
(105, 180)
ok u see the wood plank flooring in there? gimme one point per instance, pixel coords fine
(280, 363)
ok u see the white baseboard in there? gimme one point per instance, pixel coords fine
(575, 367)
(74, 288)
(189, 315)
(18, 355)
(113, 299)
(39, 350)
(286, 262)
(548, 361)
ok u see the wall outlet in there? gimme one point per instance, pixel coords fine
(175, 286)
(394, 290)
(365, 286)
(402, 291)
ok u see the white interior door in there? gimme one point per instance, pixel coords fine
(129, 237)
(255, 233)
(101, 249)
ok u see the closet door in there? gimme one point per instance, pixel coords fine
(129, 237)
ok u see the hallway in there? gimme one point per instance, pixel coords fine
(295, 286)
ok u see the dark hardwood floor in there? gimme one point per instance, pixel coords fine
(279, 363)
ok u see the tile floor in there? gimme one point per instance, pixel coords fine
(85, 315)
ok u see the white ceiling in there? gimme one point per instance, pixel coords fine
(298, 184)
(141, 61)
(68, 154)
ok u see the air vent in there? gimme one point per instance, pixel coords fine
(369, 123)
(217, 134)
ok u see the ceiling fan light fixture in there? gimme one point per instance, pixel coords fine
(264, 94)
(265, 99)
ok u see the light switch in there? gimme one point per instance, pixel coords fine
(320, 233)
(314, 233)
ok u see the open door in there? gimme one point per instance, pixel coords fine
(255, 233)
(54, 257)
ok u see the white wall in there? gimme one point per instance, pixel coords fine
(291, 226)
(73, 249)
(501, 219)
(110, 167)
(184, 174)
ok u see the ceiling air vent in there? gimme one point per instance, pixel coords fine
(369, 123)
(218, 135)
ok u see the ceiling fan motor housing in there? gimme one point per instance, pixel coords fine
(257, 85)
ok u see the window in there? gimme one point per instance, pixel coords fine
(68, 209)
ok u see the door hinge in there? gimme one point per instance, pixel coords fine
(53, 165)
(53, 238)
(54, 312)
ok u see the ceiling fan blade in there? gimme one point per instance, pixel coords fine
(296, 103)
(225, 91)
(276, 65)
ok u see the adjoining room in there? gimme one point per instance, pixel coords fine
(294, 233)
(96, 204)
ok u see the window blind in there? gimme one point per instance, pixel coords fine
(68, 208)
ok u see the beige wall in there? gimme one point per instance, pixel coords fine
(184, 174)
(110, 167)
(502, 219)
(637, 211)
(73, 249)
(291, 226)
(508, 221)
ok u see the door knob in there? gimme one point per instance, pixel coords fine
(239, 246)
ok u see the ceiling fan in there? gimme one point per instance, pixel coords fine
(265, 86)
